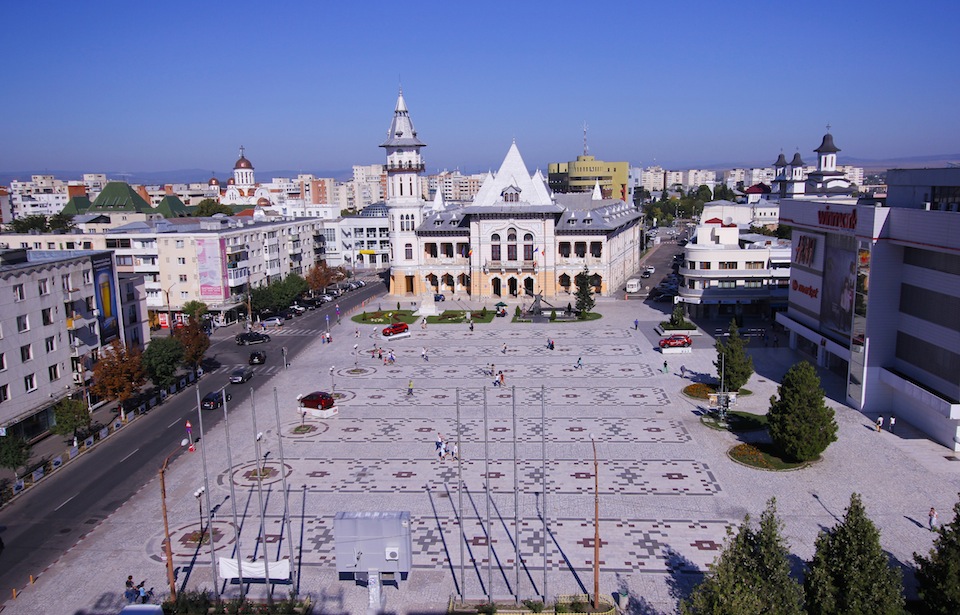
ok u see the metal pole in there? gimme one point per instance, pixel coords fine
(283, 351)
(596, 526)
(486, 482)
(263, 524)
(206, 489)
(233, 498)
(543, 477)
(516, 501)
(460, 497)
(286, 498)
(166, 526)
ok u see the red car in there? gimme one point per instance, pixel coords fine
(321, 400)
(395, 328)
(676, 341)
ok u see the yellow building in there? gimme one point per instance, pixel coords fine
(582, 174)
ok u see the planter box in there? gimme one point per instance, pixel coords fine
(667, 332)
(677, 350)
(321, 414)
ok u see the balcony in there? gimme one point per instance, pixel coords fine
(393, 167)
(501, 265)
(240, 264)
(237, 249)
(579, 261)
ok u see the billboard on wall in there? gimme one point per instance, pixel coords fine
(106, 297)
(839, 282)
(212, 268)
(808, 250)
(806, 291)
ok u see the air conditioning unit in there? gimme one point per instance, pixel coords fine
(78, 378)
(391, 554)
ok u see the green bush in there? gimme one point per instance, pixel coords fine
(534, 605)
(483, 312)
(517, 312)
(487, 608)
(553, 315)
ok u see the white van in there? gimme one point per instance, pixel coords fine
(634, 285)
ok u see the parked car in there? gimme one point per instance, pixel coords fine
(321, 400)
(252, 337)
(257, 358)
(273, 321)
(239, 376)
(645, 274)
(395, 328)
(288, 314)
(325, 298)
(299, 309)
(439, 297)
(676, 341)
(214, 400)
(650, 268)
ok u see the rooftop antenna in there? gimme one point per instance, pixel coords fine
(585, 148)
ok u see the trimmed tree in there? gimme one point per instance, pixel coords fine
(14, 453)
(194, 343)
(734, 365)
(194, 309)
(71, 415)
(118, 374)
(938, 574)
(584, 294)
(849, 572)
(162, 359)
(751, 574)
(801, 425)
(208, 207)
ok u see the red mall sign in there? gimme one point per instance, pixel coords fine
(810, 291)
(838, 219)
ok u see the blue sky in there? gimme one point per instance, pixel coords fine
(151, 86)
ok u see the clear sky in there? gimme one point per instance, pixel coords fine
(153, 86)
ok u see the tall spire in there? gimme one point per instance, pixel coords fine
(401, 132)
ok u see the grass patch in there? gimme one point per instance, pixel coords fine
(763, 456)
(737, 421)
(452, 317)
(703, 390)
(385, 317)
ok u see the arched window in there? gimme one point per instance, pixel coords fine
(495, 247)
(512, 245)
(408, 252)
(528, 247)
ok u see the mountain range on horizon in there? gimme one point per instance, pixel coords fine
(184, 176)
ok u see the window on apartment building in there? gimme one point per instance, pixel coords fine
(181, 260)
(46, 314)
(29, 383)
(125, 259)
(18, 292)
(184, 294)
(23, 323)
(183, 277)
(704, 265)
(50, 343)
(26, 353)
(54, 372)
(754, 264)
(43, 286)
(51, 245)
(727, 284)
(728, 265)
(4, 392)
(752, 284)
(3, 361)
(87, 277)
(179, 243)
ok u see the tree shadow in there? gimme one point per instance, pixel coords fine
(684, 576)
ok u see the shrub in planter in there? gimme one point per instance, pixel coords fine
(534, 605)
(517, 311)
(553, 314)
(483, 312)
(487, 608)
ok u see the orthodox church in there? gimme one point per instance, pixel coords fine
(825, 181)
(515, 239)
(242, 188)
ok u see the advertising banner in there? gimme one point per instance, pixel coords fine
(839, 282)
(106, 297)
(808, 250)
(212, 269)
(805, 291)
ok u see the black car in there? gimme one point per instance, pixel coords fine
(214, 400)
(251, 337)
(288, 314)
(258, 358)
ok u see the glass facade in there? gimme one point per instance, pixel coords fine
(858, 340)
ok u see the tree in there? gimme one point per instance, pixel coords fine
(118, 375)
(677, 317)
(751, 574)
(14, 453)
(60, 223)
(26, 224)
(734, 365)
(162, 359)
(584, 294)
(194, 309)
(849, 572)
(938, 574)
(70, 416)
(320, 276)
(208, 207)
(801, 425)
(193, 342)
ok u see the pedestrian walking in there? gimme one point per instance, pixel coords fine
(502, 379)
(329, 338)
(879, 423)
(471, 326)
(636, 324)
(423, 354)
(893, 422)
(492, 372)
(934, 519)
(456, 451)
(143, 592)
(423, 323)
(442, 451)
(683, 371)
(579, 364)
(130, 592)
(410, 387)
(504, 349)
(666, 368)
(439, 443)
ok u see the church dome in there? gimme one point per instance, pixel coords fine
(243, 163)
(263, 202)
(231, 182)
(213, 182)
(827, 146)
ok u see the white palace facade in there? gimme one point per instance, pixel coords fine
(514, 239)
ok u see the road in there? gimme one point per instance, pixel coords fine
(51, 517)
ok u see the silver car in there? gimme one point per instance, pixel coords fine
(239, 376)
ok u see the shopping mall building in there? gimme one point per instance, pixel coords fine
(875, 295)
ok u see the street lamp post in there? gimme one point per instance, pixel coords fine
(166, 526)
(333, 385)
(596, 526)
(355, 347)
(169, 307)
(199, 494)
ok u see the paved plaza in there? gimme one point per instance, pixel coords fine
(668, 492)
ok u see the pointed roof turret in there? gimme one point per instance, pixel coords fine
(781, 161)
(401, 132)
(827, 146)
(597, 193)
(513, 173)
(797, 161)
(438, 202)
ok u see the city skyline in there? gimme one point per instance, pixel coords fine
(182, 86)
